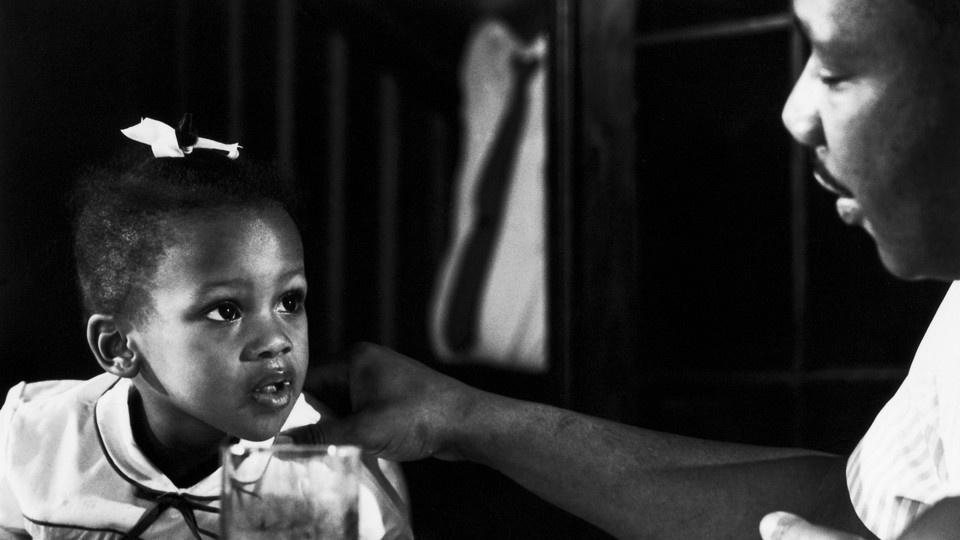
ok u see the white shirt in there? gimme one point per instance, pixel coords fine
(910, 457)
(513, 304)
(70, 468)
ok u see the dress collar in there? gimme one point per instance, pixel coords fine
(112, 421)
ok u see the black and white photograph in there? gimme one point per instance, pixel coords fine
(472, 269)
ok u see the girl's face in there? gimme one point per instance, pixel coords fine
(223, 348)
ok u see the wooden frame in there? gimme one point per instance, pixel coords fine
(593, 250)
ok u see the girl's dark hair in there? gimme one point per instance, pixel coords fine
(122, 212)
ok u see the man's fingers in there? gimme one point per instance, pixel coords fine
(330, 383)
(786, 526)
(337, 431)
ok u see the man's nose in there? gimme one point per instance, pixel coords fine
(270, 339)
(801, 114)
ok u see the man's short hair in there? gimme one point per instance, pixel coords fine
(944, 12)
(944, 18)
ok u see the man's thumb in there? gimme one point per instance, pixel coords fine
(787, 526)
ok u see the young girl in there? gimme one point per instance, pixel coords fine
(191, 270)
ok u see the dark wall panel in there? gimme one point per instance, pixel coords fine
(715, 208)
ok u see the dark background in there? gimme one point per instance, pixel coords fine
(761, 318)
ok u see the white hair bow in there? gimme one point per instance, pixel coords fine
(163, 140)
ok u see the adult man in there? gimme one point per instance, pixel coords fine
(879, 104)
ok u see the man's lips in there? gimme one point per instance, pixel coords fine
(849, 211)
(847, 207)
(828, 181)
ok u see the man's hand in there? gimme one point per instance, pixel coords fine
(402, 410)
(939, 522)
(785, 526)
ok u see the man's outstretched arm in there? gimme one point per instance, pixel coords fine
(631, 482)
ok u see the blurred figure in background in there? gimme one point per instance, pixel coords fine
(489, 302)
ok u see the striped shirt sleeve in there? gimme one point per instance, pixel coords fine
(902, 465)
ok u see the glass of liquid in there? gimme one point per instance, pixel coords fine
(290, 491)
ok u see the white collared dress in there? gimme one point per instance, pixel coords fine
(69, 468)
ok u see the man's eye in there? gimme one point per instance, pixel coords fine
(830, 79)
(224, 312)
(291, 302)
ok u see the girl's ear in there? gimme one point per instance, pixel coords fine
(110, 346)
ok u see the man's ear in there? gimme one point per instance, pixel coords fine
(110, 346)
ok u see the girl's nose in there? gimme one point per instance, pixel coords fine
(270, 341)
(801, 114)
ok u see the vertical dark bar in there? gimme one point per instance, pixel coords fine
(7, 92)
(286, 65)
(604, 327)
(562, 145)
(336, 174)
(800, 263)
(798, 202)
(235, 69)
(183, 56)
(389, 154)
(438, 205)
(7, 123)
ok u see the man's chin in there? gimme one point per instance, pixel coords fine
(912, 267)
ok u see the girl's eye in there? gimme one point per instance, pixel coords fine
(291, 302)
(225, 312)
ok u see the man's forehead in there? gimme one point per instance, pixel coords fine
(826, 16)
(855, 12)
(834, 22)
(872, 30)
(861, 23)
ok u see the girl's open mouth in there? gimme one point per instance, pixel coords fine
(273, 394)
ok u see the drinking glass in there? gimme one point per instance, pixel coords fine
(289, 491)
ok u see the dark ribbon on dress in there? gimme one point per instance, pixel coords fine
(164, 501)
(492, 187)
(186, 132)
